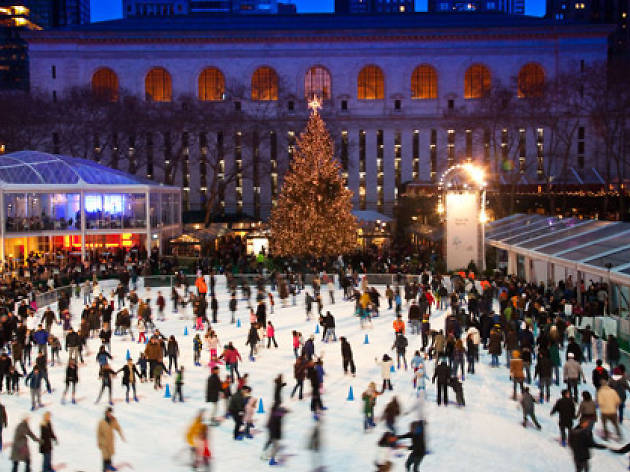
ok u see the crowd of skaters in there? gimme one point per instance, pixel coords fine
(530, 326)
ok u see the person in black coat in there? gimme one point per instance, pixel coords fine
(261, 314)
(213, 388)
(252, 340)
(566, 411)
(214, 307)
(4, 421)
(581, 441)
(274, 425)
(418, 448)
(443, 374)
(575, 349)
(543, 371)
(346, 356)
(72, 378)
(308, 350)
(46, 438)
(130, 375)
(172, 350)
(612, 352)
(278, 385)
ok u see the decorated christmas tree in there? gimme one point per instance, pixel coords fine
(313, 216)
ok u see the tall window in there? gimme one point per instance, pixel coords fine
(158, 86)
(371, 84)
(317, 82)
(476, 81)
(424, 82)
(531, 79)
(265, 84)
(211, 85)
(105, 84)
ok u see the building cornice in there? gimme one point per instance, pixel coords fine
(207, 37)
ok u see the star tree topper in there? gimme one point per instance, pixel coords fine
(315, 104)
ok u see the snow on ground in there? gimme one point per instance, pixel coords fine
(486, 433)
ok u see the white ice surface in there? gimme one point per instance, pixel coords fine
(487, 433)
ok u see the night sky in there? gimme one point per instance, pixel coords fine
(111, 9)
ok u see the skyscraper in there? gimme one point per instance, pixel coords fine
(13, 49)
(56, 13)
(374, 6)
(509, 7)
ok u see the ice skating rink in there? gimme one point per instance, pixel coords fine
(485, 435)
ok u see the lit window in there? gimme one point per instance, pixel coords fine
(211, 85)
(105, 84)
(424, 82)
(317, 82)
(158, 86)
(371, 84)
(265, 84)
(531, 80)
(476, 81)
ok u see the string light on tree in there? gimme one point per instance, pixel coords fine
(313, 216)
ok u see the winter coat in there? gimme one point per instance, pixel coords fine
(252, 337)
(237, 404)
(346, 350)
(442, 372)
(566, 411)
(543, 368)
(612, 350)
(619, 384)
(400, 343)
(608, 400)
(105, 437)
(572, 370)
(418, 447)
(20, 451)
(127, 371)
(231, 356)
(599, 374)
(34, 380)
(527, 403)
(494, 345)
(72, 374)
(386, 367)
(153, 351)
(580, 441)
(587, 411)
(172, 349)
(275, 422)
(554, 353)
(46, 437)
(213, 388)
(516, 369)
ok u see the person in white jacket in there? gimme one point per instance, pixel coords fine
(386, 366)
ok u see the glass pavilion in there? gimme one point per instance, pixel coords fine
(50, 202)
(542, 248)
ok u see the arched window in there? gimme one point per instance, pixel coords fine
(105, 84)
(317, 82)
(158, 86)
(265, 84)
(371, 84)
(211, 85)
(476, 81)
(424, 82)
(531, 80)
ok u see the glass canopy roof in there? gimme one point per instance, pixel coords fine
(595, 243)
(39, 168)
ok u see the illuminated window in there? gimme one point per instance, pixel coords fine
(265, 84)
(371, 84)
(317, 82)
(211, 85)
(105, 84)
(424, 82)
(531, 79)
(476, 81)
(158, 86)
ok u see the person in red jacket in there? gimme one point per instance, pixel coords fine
(231, 356)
